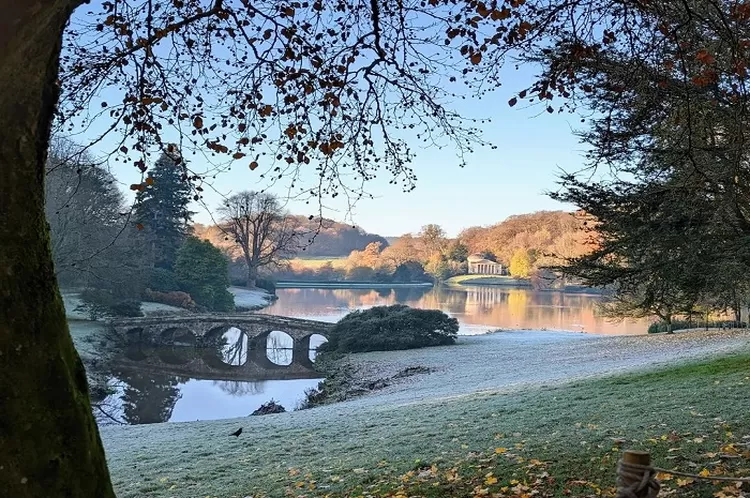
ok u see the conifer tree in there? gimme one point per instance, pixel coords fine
(162, 210)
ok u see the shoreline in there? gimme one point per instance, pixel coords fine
(348, 285)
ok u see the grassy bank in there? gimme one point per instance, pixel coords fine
(558, 441)
(502, 280)
(315, 263)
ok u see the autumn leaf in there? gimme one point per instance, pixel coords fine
(705, 57)
(499, 15)
(476, 58)
(512, 101)
(500, 451)
(149, 180)
(136, 186)
(238, 155)
(139, 226)
(198, 122)
(253, 165)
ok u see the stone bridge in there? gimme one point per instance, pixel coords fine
(205, 329)
(206, 332)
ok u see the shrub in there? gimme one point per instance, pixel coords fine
(99, 303)
(410, 271)
(127, 307)
(659, 327)
(387, 328)
(178, 299)
(266, 284)
(162, 280)
(361, 274)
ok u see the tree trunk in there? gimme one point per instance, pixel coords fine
(49, 442)
(252, 276)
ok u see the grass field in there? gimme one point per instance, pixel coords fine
(315, 263)
(542, 442)
(488, 280)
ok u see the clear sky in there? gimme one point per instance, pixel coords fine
(533, 146)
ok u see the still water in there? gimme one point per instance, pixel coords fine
(479, 309)
(185, 383)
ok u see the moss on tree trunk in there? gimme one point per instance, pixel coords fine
(49, 442)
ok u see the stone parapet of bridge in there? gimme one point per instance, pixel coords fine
(158, 329)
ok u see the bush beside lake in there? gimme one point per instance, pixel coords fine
(388, 328)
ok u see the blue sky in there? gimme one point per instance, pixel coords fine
(532, 147)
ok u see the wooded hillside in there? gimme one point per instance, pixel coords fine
(545, 236)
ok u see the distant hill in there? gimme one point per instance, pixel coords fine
(320, 238)
(331, 239)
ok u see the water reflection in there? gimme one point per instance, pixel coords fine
(478, 308)
(150, 384)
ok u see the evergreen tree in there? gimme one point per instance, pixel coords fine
(162, 211)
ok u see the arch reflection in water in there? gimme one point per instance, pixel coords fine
(234, 347)
(280, 347)
(315, 341)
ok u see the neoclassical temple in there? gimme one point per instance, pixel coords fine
(481, 266)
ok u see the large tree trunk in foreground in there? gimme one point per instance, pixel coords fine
(49, 442)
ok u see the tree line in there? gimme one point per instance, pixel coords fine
(526, 245)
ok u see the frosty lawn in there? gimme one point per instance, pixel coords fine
(486, 411)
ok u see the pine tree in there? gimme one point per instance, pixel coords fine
(162, 211)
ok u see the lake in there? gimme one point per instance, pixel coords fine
(148, 385)
(479, 309)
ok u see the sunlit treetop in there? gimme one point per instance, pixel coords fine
(350, 88)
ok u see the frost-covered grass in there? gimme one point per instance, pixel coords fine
(71, 300)
(250, 298)
(86, 336)
(508, 396)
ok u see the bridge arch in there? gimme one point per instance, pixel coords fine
(134, 335)
(177, 336)
(279, 347)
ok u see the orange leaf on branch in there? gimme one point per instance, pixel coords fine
(476, 58)
(705, 57)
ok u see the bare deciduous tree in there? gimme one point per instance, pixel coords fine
(261, 228)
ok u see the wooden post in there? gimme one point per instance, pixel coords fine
(630, 481)
(636, 457)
